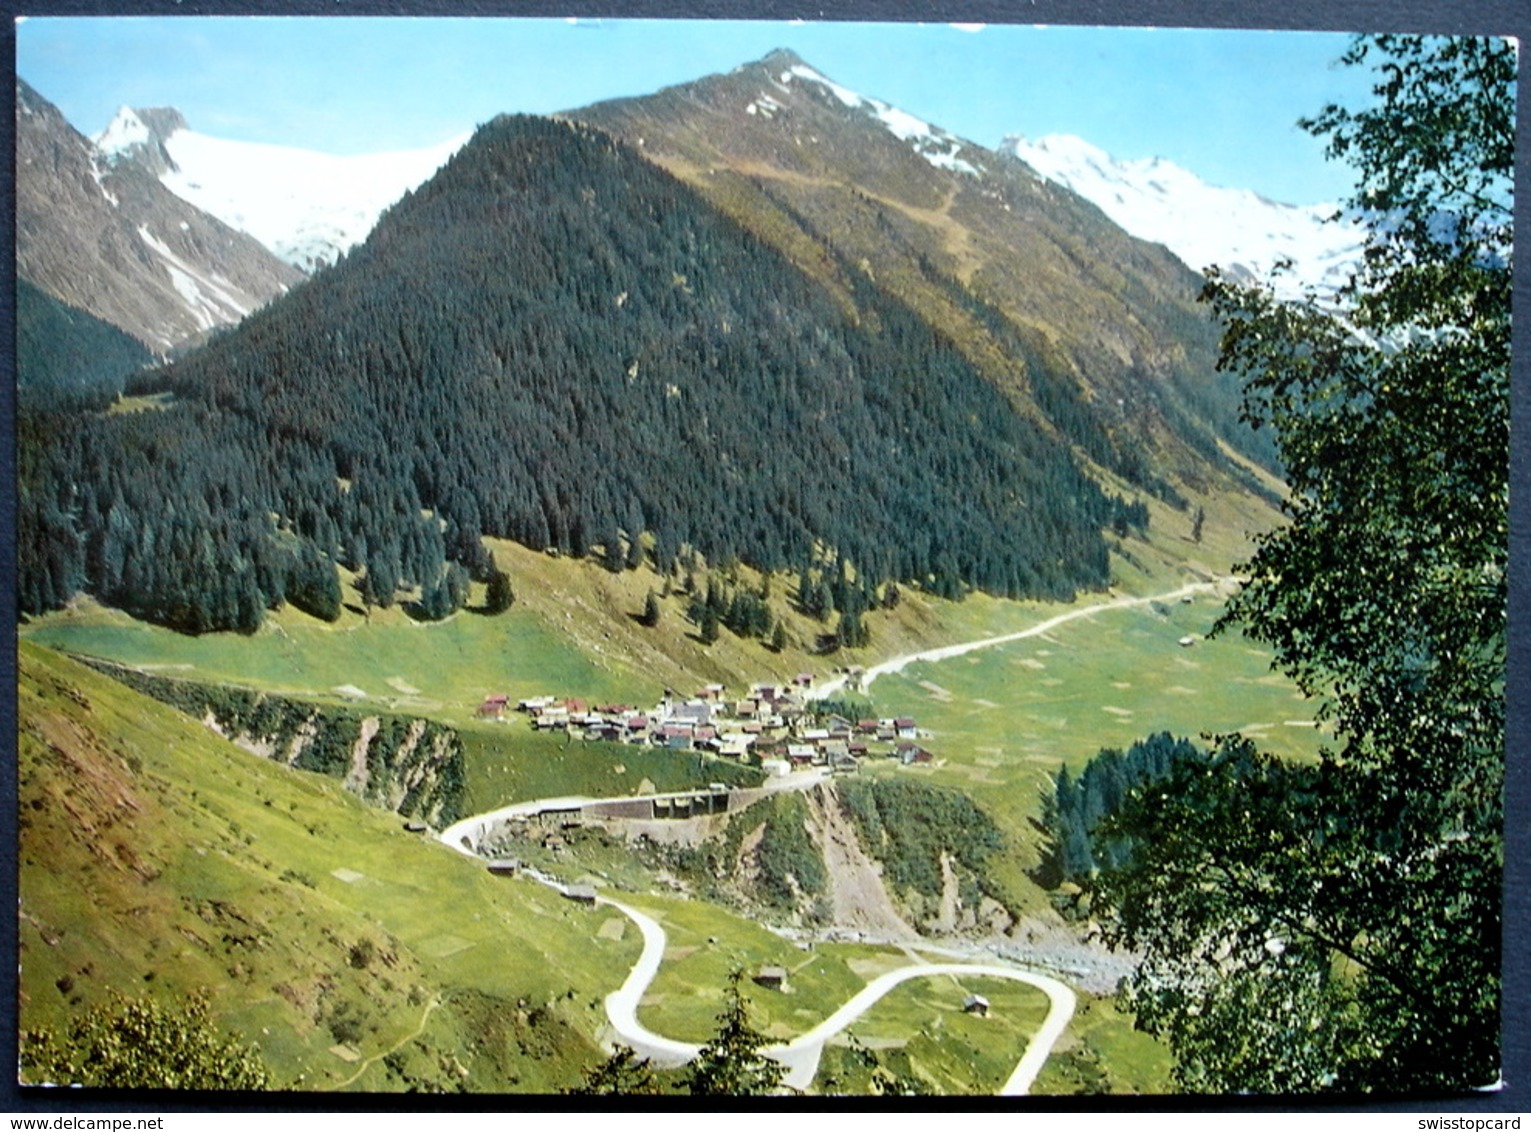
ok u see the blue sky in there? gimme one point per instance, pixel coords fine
(1221, 103)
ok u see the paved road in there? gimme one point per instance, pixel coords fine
(466, 835)
(801, 1054)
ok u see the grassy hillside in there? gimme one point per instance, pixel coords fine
(156, 857)
(354, 955)
(1003, 720)
(920, 1029)
(280, 877)
(510, 762)
(1080, 323)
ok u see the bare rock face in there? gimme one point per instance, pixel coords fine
(105, 236)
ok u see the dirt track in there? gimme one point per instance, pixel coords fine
(899, 663)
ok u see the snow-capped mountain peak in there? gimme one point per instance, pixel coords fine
(1238, 230)
(126, 131)
(307, 207)
(140, 135)
(942, 149)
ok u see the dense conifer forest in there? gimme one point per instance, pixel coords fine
(1074, 850)
(553, 341)
(65, 353)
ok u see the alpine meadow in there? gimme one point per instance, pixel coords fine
(738, 589)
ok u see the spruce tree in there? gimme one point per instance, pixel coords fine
(731, 1064)
(499, 595)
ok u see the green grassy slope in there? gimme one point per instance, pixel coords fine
(920, 1029)
(156, 857)
(1003, 720)
(509, 762)
(442, 670)
(1102, 1052)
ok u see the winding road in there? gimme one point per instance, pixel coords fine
(801, 1055)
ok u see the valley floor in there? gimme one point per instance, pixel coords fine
(1004, 710)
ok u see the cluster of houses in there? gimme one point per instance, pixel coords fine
(777, 726)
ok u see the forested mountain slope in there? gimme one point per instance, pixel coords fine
(557, 342)
(62, 351)
(1076, 320)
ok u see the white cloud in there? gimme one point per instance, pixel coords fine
(972, 29)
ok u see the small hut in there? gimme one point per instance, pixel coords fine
(773, 977)
(976, 1004)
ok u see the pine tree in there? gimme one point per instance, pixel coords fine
(731, 1064)
(140, 1044)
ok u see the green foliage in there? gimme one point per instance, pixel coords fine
(140, 1044)
(709, 625)
(499, 596)
(1077, 804)
(446, 594)
(846, 706)
(910, 826)
(425, 754)
(852, 632)
(65, 356)
(813, 597)
(622, 1074)
(743, 612)
(731, 1063)
(315, 585)
(868, 1074)
(790, 865)
(1338, 925)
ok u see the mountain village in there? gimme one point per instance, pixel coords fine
(779, 727)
